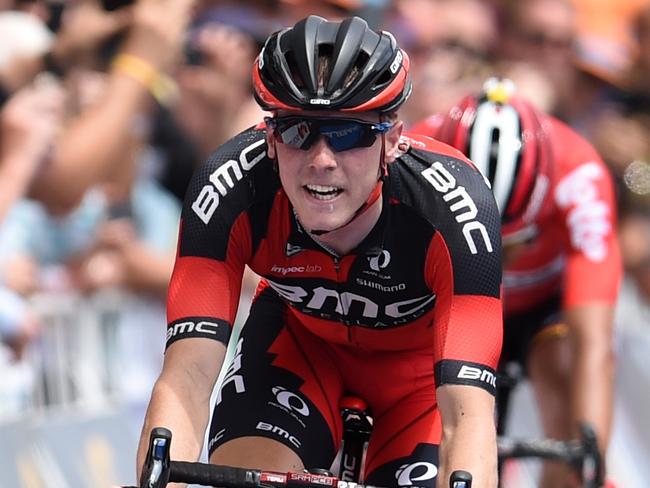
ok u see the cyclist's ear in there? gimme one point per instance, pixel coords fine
(270, 143)
(392, 138)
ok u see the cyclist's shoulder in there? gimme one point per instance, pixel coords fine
(247, 149)
(429, 162)
(576, 162)
(236, 176)
(570, 148)
(443, 186)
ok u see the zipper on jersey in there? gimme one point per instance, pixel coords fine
(337, 268)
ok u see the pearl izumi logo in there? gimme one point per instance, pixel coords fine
(290, 400)
(408, 474)
(380, 262)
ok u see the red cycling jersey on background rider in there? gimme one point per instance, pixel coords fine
(572, 241)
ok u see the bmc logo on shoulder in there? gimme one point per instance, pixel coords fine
(222, 180)
(460, 203)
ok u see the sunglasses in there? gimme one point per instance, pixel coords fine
(341, 134)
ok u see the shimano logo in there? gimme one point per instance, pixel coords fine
(472, 373)
(460, 203)
(222, 180)
(283, 270)
(397, 62)
(420, 471)
(380, 287)
(319, 101)
(280, 432)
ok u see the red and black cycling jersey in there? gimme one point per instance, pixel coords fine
(574, 251)
(427, 276)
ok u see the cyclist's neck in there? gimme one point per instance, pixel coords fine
(346, 238)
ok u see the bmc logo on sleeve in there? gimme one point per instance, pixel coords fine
(198, 327)
(453, 372)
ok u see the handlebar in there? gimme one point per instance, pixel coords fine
(159, 470)
(583, 454)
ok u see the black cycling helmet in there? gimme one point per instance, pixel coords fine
(317, 64)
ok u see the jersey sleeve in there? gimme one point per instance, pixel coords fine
(463, 268)
(586, 201)
(216, 240)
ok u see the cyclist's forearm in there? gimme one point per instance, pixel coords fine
(471, 446)
(180, 399)
(468, 435)
(177, 410)
(593, 366)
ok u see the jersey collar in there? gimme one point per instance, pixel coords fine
(372, 245)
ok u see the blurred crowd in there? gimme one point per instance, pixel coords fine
(108, 106)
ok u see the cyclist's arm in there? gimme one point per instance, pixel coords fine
(468, 434)
(590, 332)
(215, 244)
(180, 399)
(464, 269)
(585, 197)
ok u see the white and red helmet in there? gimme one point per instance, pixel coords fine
(507, 139)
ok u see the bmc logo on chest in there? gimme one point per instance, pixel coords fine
(224, 179)
(460, 204)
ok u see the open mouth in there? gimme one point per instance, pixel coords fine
(323, 192)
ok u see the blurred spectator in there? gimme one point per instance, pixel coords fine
(29, 122)
(633, 311)
(638, 81)
(542, 33)
(448, 60)
(605, 41)
(216, 100)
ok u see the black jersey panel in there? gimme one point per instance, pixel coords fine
(237, 177)
(455, 199)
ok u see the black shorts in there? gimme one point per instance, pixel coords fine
(519, 330)
(284, 383)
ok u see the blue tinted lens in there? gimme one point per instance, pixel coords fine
(345, 136)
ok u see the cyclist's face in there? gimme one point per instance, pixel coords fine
(327, 187)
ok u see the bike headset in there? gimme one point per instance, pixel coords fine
(340, 66)
(508, 140)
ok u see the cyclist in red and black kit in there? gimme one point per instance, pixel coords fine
(380, 258)
(561, 257)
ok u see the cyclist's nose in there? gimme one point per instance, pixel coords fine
(321, 155)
